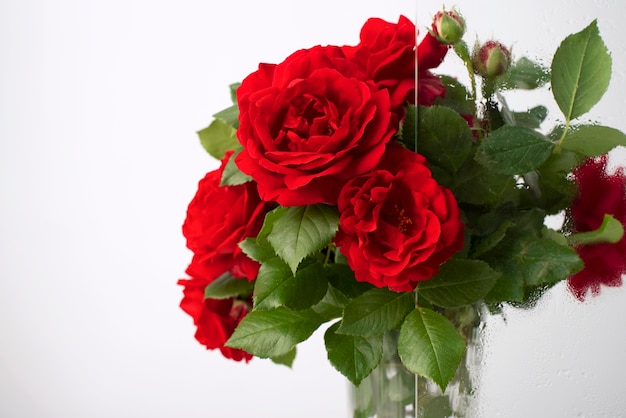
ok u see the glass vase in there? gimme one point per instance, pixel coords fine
(392, 391)
(389, 391)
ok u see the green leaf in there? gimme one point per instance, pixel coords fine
(593, 140)
(478, 185)
(341, 277)
(483, 243)
(528, 223)
(497, 114)
(610, 231)
(524, 74)
(554, 235)
(375, 312)
(299, 231)
(508, 288)
(353, 356)
(277, 286)
(232, 175)
(532, 118)
(233, 92)
(561, 163)
(310, 286)
(218, 138)
(457, 97)
(554, 183)
(430, 346)
(287, 358)
(443, 137)
(514, 150)
(556, 191)
(226, 286)
(581, 71)
(259, 248)
(273, 332)
(459, 282)
(272, 283)
(332, 304)
(516, 258)
(442, 176)
(534, 261)
(230, 116)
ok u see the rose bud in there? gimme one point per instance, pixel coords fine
(491, 60)
(448, 27)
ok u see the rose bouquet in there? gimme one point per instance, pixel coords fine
(360, 189)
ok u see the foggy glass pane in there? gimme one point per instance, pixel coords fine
(563, 357)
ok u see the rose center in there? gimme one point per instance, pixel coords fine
(307, 116)
(397, 217)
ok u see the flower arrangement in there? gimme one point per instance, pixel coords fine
(360, 189)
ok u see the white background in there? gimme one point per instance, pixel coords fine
(99, 104)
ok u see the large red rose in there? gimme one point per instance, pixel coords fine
(218, 219)
(215, 319)
(397, 225)
(309, 124)
(599, 193)
(387, 55)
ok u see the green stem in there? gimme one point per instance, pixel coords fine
(327, 257)
(562, 138)
(610, 232)
(462, 51)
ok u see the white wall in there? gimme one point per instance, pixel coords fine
(99, 104)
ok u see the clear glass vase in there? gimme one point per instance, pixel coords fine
(390, 391)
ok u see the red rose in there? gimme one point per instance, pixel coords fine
(309, 124)
(218, 219)
(599, 193)
(397, 225)
(430, 53)
(215, 320)
(387, 55)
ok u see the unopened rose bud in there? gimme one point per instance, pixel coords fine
(491, 60)
(448, 27)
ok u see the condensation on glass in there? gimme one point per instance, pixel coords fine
(562, 358)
